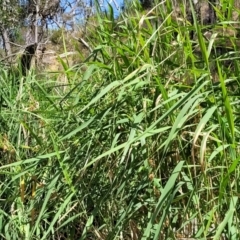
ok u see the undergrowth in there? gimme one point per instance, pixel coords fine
(140, 141)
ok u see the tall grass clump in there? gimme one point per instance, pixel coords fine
(140, 141)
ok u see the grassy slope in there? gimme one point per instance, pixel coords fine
(142, 142)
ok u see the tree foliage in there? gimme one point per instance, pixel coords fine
(33, 17)
(10, 12)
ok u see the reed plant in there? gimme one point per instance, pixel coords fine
(140, 140)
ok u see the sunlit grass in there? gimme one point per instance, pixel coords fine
(139, 141)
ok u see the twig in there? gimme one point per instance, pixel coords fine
(85, 44)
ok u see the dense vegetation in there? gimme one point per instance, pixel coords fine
(138, 140)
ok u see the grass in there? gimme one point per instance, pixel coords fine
(140, 140)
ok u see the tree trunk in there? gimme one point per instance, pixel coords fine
(6, 42)
(36, 22)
